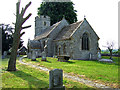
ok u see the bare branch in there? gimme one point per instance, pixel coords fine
(17, 8)
(13, 23)
(24, 9)
(26, 27)
(26, 18)
(22, 34)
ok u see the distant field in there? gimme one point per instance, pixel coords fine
(28, 77)
(97, 71)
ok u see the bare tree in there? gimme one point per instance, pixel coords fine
(110, 46)
(17, 34)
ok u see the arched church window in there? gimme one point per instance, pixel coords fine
(44, 23)
(64, 48)
(43, 43)
(44, 16)
(56, 49)
(85, 42)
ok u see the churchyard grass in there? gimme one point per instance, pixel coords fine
(106, 73)
(28, 77)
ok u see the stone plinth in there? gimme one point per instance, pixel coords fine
(63, 58)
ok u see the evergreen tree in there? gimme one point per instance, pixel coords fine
(7, 37)
(57, 10)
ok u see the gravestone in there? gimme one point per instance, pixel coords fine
(33, 55)
(4, 54)
(29, 55)
(99, 55)
(56, 80)
(90, 56)
(43, 56)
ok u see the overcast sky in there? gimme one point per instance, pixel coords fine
(101, 14)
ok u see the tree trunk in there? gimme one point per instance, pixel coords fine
(110, 53)
(12, 61)
(16, 36)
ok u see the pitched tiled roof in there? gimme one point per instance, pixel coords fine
(47, 31)
(33, 44)
(68, 31)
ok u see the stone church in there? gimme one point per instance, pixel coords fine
(77, 40)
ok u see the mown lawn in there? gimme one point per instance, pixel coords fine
(105, 73)
(28, 77)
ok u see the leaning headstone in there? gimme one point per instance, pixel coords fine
(43, 56)
(99, 55)
(56, 80)
(33, 56)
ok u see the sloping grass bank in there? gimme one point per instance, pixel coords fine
(99, 72)
(28, 77)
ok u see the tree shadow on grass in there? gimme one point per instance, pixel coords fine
(41, 61)
(48, 61)
(70, 62)
(33, 82)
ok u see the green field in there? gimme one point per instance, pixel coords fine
(105, 73)
(28, 77)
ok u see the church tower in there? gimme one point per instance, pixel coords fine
(41, 23)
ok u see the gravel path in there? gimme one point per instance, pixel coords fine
(87, 82)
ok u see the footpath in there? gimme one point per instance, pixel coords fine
(83, 81)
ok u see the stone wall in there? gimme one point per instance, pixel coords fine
(41, 23)
(78, 53)
(74, 45)
(65, 47)
(53, 35)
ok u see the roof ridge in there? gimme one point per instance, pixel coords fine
(76, 22)
(47, 32)
(77, 27)
(68, 31)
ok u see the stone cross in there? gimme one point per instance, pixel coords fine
(56, 80)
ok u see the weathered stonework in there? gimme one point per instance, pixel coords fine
(56, 80)
(41, 23)
(67, 39)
